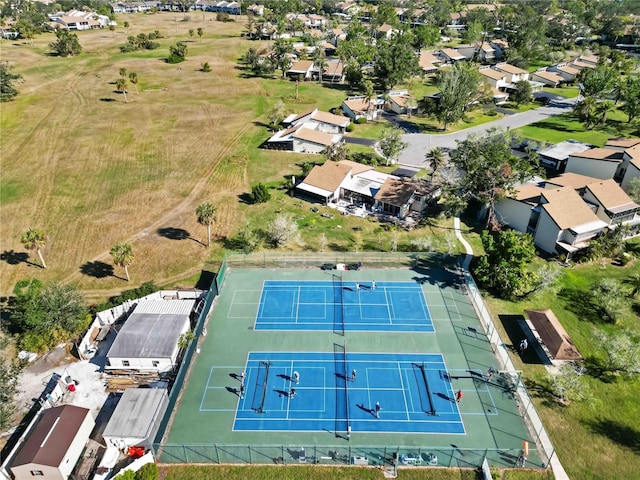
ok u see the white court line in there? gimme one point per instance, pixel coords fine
(406, 406)
(386, 298)
(298, 306)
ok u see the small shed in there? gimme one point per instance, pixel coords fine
(51, 449)
(136, 419)
(553, 335)
(149, 338)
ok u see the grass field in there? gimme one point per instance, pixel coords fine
(597, 438)
(90, 171)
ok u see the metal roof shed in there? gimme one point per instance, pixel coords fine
(136, 418)
(149, 338)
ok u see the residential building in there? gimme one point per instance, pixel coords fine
(630, 167)
(54, 444)
(363, 107)
(493, 77)
(324, 181)
(401, 102)
(334, 71)
(401, 196)
(428, 62)
(547, 78)
(555, 157)
(149, 340)
(613, 205)
(302, 69)
(565, 71)
(513, 74)
(450, 55)
(596, 162)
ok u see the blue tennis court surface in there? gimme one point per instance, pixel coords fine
(413, 390)
(317, 305)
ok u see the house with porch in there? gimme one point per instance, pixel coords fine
(429, 62)
(612, 204)
(302, 69)
(363, 107)
(513, 74)
(323, 183)
(567, 72)
(546, 77)
(401, 196)
(451, 55)
(401, 102)
(630, 167)
(493, 77)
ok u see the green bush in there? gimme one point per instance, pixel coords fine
(148, 472)
(351, 127)
(260, 193)
(147, 288)
(361, 120)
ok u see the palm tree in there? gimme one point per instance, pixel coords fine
(33, 239)
(206, 214)
(123, 72)
(123, 256)
(200, 32)
(634, 282)
(603, 109)
(319, 61)
(585, 111)
(121, 86)
(436, 158)
(133, 78)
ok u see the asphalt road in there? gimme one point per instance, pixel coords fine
(420, 143)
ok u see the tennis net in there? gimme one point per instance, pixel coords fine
(430, 409)
(342, 389)
(260, 392)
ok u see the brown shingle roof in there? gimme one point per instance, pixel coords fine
(396, 191)
(611, 196)
(330, 118)
(553, 335)
(53, 434)
(569, 70)
(328, 176)
(567, 208)
(606, 154)
(512, 69)
(573, 180)
(622, 142)
(356, 167)
(549, 76)
(428, 60)
(314, 136)
(452, 53)
(527, 192)
(357, 105)
(634, 153)
(491, 73)
(301, 66)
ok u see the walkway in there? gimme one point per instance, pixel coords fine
(554, 462)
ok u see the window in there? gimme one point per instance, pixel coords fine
(125, 363)
(37, 473)
(155, 363)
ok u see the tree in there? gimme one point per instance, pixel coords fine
(621, 349)
(504, 269)
(275, 115)
(9, 388)
(634, 282)
(567, 384)
(34, 239)
(200, 32)
(425, 36)
(260, 193)
(66, 45)
(26, 30)
(319, 61)
(606, 295)
(133, 78)
(395, 61)
(177, 53)
(489, 170)
(191, 32)
(436, 158)
(123, 72)
(391, 144)
(123, 256)
(585, 109)
(148, 472)
(282, 230)
(112, 29)
(336, 152)
(121, 86)
(630, 95)
(46, 315)
(206, 214)
(457, 86)
(633, 189)
(281, 50)
(7, 78)
(603, 109)
(523, 93)
(597, 82)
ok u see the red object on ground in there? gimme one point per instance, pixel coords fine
(135, 452)
(71, 387)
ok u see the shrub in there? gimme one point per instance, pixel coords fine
(206, 67)
(351, 127)
(148, 472)
(260, 193)
(361, 120)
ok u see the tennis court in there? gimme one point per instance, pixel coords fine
(413, 391)
(414, 340)
(336, 304)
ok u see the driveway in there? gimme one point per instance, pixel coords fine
(421, 143)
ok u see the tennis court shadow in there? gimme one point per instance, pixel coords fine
(281, 393)
(285, 377)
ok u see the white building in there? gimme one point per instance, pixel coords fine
(596, 162)
(136, 419)
(150, 336)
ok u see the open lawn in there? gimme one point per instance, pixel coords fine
(565, 127)
(321, 473)
(90, 170)
(599, 437)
